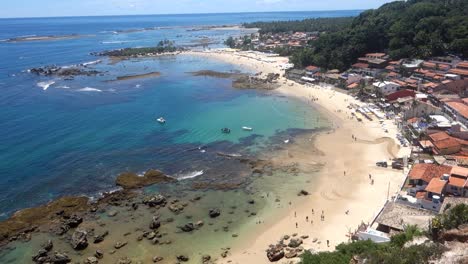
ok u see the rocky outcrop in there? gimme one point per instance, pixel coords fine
(62, 71)
(275, 253)
(155, 223)
(130, 180)
(182, 258)
(79, 240)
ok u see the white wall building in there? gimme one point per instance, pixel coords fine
(386, 87)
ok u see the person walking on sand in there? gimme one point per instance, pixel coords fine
(307, 219)
(312, 210)
(296, 224)
(328, 243)
(294, 213)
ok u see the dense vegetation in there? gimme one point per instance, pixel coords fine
(162, 47)
(403, 29)
(394, 251)
(331, 24)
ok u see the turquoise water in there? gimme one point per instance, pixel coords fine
(76, 136)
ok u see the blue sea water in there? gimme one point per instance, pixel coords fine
(77, 135)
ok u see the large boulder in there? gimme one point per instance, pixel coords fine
(275, 253)
(155, 223)
(155, 200)
(295, 242)
(79, 240)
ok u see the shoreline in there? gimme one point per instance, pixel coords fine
(325, 148)
(335, 192)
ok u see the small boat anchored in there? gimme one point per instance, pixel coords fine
(247, 128)
(226, 130)
(161, 120)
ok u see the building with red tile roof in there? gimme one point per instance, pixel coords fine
(435, 187)
(421, 174)
(459, 110)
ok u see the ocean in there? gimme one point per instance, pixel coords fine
(73, 137)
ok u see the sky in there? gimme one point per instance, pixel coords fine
(53, 8)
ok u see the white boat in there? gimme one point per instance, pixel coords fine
(161, 120)
(247, 128)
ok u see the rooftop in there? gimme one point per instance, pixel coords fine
(461, 108)
(446, 143)
(427, 172)
(460, 171)
(457, 181)
(436, 185)
(397, 216)
(439, 136)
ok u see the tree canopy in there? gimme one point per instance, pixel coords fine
(403, 29)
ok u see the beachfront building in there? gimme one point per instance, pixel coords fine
(386, 87)
(421, 175)
(311, 70)
(444, 144)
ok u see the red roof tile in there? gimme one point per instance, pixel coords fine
(461, 108)
(439, 136)
(457, 71)
(457, 181)
(459, 171)
(436, 185)
(426, 172)
(361, 65)
(446, 143)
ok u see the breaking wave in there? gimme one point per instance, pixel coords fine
(45, 85)
(89, 89)
(189, 175)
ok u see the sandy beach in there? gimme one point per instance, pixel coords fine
(343, 192)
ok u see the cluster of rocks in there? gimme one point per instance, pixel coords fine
(157, 201)
(254, 82)
(44, 255)
(53, 70)
(67, 223)
(287, 247)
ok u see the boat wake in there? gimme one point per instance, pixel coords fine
(189, 175)
(89, 89)
(45, 85)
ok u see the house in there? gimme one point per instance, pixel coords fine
(311, 70)
(386, 87)
(459, 111)
(421, 174)
(400, 94)
(458, 181)
(444, 144)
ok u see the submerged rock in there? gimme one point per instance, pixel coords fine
(91, 260)
(99, 238)
(189, 227)
(215, 212)
(130, 180)
(120, 245)
(157, 259)
(79, 240)
(99, 254)
(155, 223)
(303, 192)
(182, 258)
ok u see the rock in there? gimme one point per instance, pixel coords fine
(48, 245)
(112, 213)
(251, 201)
(305, 237)
(286, 237)
(155, 223)
(151, 235)
(130, 180)
(124, 260)
(206, 259)
(91, 260)
(199, 224)
(182, 258)
(303, 192)
(235, 235)
(291, 254)
(59, 258)
(134, 206)
(155, 241)
(157, 259)
(176, 208)
(99, 238)
(99, 254)
(79, 240)
(275, 253)
(73, 222)
(295, 242)
(40, 254)
(189, 227)
(119, 244)
(155, 200)
(215, 212)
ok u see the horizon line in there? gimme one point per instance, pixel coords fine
(173, 14)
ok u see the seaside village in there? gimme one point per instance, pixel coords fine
(428, 99)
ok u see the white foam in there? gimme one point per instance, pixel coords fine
(63, 87)
(117, 42)
(45, 85)
(189, 175)
(89, 89)
(91, 62)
